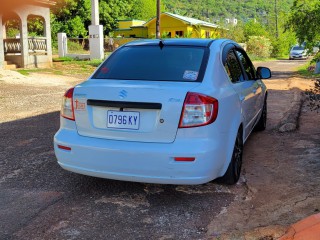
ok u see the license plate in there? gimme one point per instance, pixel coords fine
(123, 120)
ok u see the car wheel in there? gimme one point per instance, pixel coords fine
(262, 123)
(232, 174)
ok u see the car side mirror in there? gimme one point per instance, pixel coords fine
(263, 72)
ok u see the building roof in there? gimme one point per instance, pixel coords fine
(130, 20)
(10, 5)
(188, 20)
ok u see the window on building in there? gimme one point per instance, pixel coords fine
(179, 33)
(207, 34)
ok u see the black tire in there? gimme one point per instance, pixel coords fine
(262, 123)
(232, 174)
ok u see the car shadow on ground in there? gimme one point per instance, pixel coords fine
(35, 187)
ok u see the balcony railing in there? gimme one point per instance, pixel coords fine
(12, 45)
(36, 45)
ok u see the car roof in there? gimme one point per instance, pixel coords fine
(173, 42)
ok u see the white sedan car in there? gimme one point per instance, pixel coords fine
(174, 111)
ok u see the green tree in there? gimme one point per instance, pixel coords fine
(113, 10)
(304, 20)
(71, 17)
(254, 28)
(144, 9)
(236, 33)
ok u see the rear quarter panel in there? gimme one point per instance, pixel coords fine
(216, 84)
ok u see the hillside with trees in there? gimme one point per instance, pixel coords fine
(73, 16)
(217, 10)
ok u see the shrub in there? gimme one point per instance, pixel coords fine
(259, 46)
(74, 46)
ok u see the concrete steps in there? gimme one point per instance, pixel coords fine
(8, 65)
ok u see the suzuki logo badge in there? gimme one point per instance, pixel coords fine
(123, 94)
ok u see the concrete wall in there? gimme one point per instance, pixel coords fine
(34, 61)
(39, 61)
(16, 59)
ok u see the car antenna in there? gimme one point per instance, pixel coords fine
(161, 44)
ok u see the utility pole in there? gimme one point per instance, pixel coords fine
(158, 20)
(96, 38)
(276, 13)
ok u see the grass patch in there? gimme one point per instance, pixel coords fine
(57, 72)
(307, 70)
(63, 59)
(67, 66)
(26, 72)
(84, 63)
(75, 67)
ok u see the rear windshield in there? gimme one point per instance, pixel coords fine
(170, 63)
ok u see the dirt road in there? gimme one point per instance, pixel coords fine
(281, 170)
(39, 200)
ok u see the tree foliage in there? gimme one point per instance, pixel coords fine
(71, 17)
(254, 28)
(144, 9)
(304, 21)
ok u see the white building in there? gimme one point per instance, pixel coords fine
(25, 51)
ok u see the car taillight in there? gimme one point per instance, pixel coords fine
(198, 110)
(67, 110)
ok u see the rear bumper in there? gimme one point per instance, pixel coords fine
(141, 162)
(298, 57)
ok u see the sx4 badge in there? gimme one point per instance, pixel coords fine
(80, 104)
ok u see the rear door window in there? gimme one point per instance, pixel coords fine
(153, 63)
(247, 65)
(233, 68)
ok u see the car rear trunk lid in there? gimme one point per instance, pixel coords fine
(130, 110)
